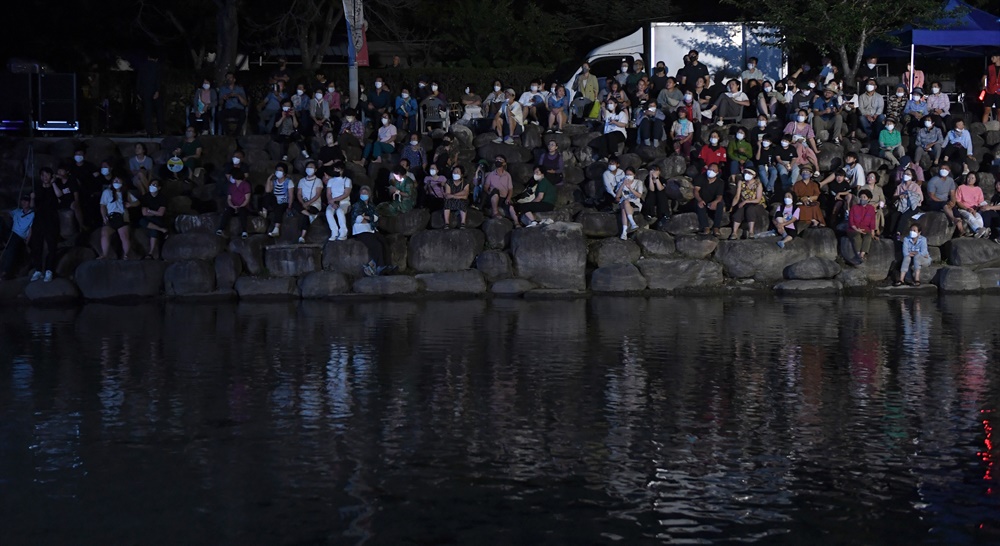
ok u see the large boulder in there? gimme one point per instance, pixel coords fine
(612, 251)
(189, 277)
(697, 247)
(759, 259)
(323, 284)
(292, 260)
(347, 257)
(495, 265)
(936, 227)
(971, 252)
(989, 278)
(444, 250)
(853, 278)
(192, 246)
(617, 278)
(817, 286)
(497, 231)
(71, 259)
(116, 279)
(655, 244)
(957, 279)
(686, 222)
(228, 268)
(251, 252)
(59, 290)
(816, 242)
(408, 223)
(267, 288)
(531, 137)
(679, 274)
(675, 165)
(513, 152)
(554, 256)
(599, 225)
(456, 282)
(462, 134)
(879, 263)
(397, 247)
(387, 286)
(201, 223)
(512, 288)
(812, 269)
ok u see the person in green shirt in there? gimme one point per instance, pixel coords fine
(740, 154)
(403, 192)
(890, 143)
(542, 200)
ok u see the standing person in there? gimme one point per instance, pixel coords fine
(991, 84)
(237, 202)
(154, 212)
(149, 81)
(914, 253)
(115, 202)
(45, 227)
(338, 198)
(18, 238)
(586, 89)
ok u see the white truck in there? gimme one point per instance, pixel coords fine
(723, 47)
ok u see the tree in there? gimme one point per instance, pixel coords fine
(227, 36)
(181, 22)
(842, 28)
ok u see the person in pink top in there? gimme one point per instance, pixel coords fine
(968, 200)
(862, 226)
(237, 202)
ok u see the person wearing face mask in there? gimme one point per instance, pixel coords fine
(786, 158)
(286, 131)
(682, 132)
(308, 199)
(496, 99)
(871, 108)
(114, 204)
(364, 229)
(278, 191)
(530, 102)
(638, 73)
(402, 193)
(472, 109)
(319, 115)
(786, 215)
(651, 125)
(498, 190)
(991, 214)
(434, 189)
(968, 201)
(807, 194)
(877, 200)
(907, 200)
(771, 102)
(456, 197)
(958, 144)
(941, 193)
(385, 144)
(338, 198)
(861, 227)
(826, 115)
(44, 236)
(380, 101)
(896, 103)
(558, 106)
(766, 159)
(802, 100)
(938, 104)
(91, 186)
(270, 106)
(628, 195)
(234, 106)
(237, 203)
(890, 143)
(509, 120)
(752, 72)
(918, 77)
(670, 99)
(915, 255)
(406, 111)
(586, 88)
(415, 154)
(615, 127)
(658, 202)
(203, 104)
(709, 192)
(916, 110)
(713, 152)
(748, 203)
(153, 212)
(867, 71)
(353, 125)
(740, 153)
(612, 177)
(333, 99)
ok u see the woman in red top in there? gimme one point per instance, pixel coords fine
(862, 226)
(713, 152)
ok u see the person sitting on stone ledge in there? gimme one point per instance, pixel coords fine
(333, 100)
(628, 195)
(861, 227)
(958, 144)
(803, 136)
(496, 99)
(385, 144)
(837, 195)
(907, 200)
(456, 197)
(498, 189)
(747, 202)
(651, 121)
(189, 152)
(991, 214)
(402, 194)
(929, 141)
(18, 238)
(878, 201)
(509, 120)
(915, 253)
(153, 218)
(364, 229)
(558, 106)
(771, 102)
(140, 160)
(807, 195)
(895, 104)
(338, 199)
(740, 154)
(551, 163)
(406, 111)
(543, 196)
(320, 120)
(670, 98)
(709, 191)
(713, 152)
(612, 177)
(278, 191)
(114, 204)
(434, 189)
(785, 217)
(682, 133)
(657, 202)
(308, 199)
(968, 200)
(615, 119)
(415, 155)
(916, 111)
(938, 105)
(352, 125)
(940, 194)
(237, 203)
(330, 152)
(766, 159)
(286, 130)
(826, 115)
(380, 101)
(890, 143)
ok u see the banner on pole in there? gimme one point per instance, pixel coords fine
(357, 43)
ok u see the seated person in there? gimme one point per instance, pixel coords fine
(958, 144)
(456, 197)
(771, 102)
(402, 194)
(785, 217)
(628, 196)
(352, 126)
(330, 153)
(682, 133)
(320, 122)
(861, 226)
(558, 106)
(154, 219)
(915, 253)
(807, 195)
(968, 200)
(415, 154)
(203, 105)
(916, 110)
(896, 103)
(929, 141)
(729, 105)
(938, 105)
(384, 145)
(278, 194)
(612, 178)
(838, 195)
(189, 152)
(890, 143)
(270, 106)
(748, 200)
(308, 199)
(826, 115)
(712, 152)
(364, 228)
(941, 193)
(657, 205)
(509, 120)
(434, 189)
(877, 200)
(871, 109)
(237, 203)
(498, 187)
(286, 130)
(907, 201)
(740, 154)
(616, 122)
(651, 124)
(551, 163)
(709, 191)
(338, 199)
(17, 239)
(234, 104)
(406, 111)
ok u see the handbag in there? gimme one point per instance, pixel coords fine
(595, 111)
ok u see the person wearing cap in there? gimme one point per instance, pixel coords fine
(916, 110)
(861, 226)
(18, 238)
(890, 143)
(929, 141)
(826, 114)
(748, 203)
(509, 119)
(896, 103)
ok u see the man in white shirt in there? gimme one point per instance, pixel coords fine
(509, 119)
(17, 239)
(338, 198)
(730, 104)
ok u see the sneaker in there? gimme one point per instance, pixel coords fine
(548, 221)
(332, 238)
(498, 140)
(243, 235)
(284, 158)
(305, 154)
(633, 227)
(48, 276)
(302, 240)
(218, 232)
(558, 131)
(624, 237)
(508, 140)
(275, 232)
(37, 275)
(781, 243)
(312, 218)
(342, 238)
(532, 224)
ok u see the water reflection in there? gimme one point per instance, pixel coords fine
(615, 419)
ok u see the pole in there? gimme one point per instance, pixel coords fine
(913, 68)
(352, 74)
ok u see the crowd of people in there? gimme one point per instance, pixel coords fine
(751, 144)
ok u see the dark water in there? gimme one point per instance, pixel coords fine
(630, 421)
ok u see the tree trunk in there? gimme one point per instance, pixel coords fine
(227, 37)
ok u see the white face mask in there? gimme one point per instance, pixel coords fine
(914, 234)
(105, 171)
(935, 90)
(806, 91)
(611, 107)
(285, 108)
(236, 161)
(710, 173)
(153, 190)
(928, 124)
(78, 158)
(767, 89)
(907, 178)
(958, 130)
(784, 144)
(414, 143)
(319, 96)
(788, 200)
(890, 128)
(433, 172)
(330, 89)
(740, 136)
(421, 85)
(612, 168)
(943, 173)
(534, 88)
(279, 174)
(750, 66)
(385, 121)
(652, 109)
(378, 85)
(434, 88)
(553, 90)
(206, 86)
(900, 94)
(871, 65)
(538, 177)
(117, 185)
(405, 96)
(747, 176)
(870, 87)
(766, 144)
(713, 141)
(688, 97)
(456, 176)
(801, 118)
(629, 177)
(310, 171)
(300, 92)
(350, 119)
(761, 124)
(812, 85)
(624, 68)
(496, 88)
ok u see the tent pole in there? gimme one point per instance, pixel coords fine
(913, 68)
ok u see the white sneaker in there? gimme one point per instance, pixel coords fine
(498, 140)
(275, 232)
(332, 238)
(624, 236)
(48, 276)
(302, 240)
(548, 221)
(532, 224)
(37, 275)
(305, 154)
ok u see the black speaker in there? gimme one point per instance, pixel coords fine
(57, 103)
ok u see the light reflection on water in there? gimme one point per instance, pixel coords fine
(506, 422)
